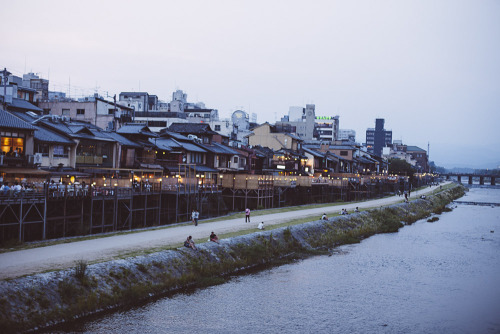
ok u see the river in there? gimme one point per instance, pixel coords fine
(441, 277)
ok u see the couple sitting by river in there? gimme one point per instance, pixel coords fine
(189, 243)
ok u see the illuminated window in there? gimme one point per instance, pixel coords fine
(12, 143)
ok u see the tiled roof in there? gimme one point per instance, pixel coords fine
(414, 149)
(314, 153)
(23, 104)
(122, 140)
(47, 136)
(191, 147)
(175, 135)
(203, 169)
(136, 128)
(191, 128)
(220, 149)
(7, 120)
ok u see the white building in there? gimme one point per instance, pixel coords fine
(347, 134)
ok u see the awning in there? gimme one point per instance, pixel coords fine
(29, 171)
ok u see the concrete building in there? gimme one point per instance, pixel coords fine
(303, 119)
(138, 101)
(31, 80)
(347, 135)
(326, 128)
(94, 110)
(378, 137)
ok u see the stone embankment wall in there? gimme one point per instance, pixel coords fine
(46, 299)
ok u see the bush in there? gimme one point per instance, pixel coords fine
(80, 269)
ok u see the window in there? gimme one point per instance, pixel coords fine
(206, 140)
(217, 127)
(111, 111)
(196, 158)
(65, 112)
(343, 153)
(80, 111)
(235, 160)
(12, 143)
(43, 149)
(60, 151)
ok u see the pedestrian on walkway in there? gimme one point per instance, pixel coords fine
(193, 215)
(247, 215)
(196, 216)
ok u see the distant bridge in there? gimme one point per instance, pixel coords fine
(471, 177)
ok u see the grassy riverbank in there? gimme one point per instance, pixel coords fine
(50, 298)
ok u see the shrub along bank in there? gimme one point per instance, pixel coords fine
(46, 299)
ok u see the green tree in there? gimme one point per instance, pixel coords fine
(400, 167)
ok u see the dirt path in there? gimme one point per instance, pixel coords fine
(36, 260)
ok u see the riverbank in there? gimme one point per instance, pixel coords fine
(45, 299)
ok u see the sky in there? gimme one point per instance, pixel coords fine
(430, 68)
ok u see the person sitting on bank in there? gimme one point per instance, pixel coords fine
(214, 237)
(324, 217)
(189, 243)
(261, 226)
(356, 210)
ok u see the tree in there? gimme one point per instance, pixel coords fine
(400, 167)
(436, 169)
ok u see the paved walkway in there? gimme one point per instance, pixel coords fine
(36, 260)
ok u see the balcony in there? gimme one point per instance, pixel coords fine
(89, 160)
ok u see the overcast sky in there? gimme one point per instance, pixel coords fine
(431, 68)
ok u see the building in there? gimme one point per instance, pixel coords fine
(326, 128)
(413, 155)
(138, 101)
(378, 137)
(420, 156)
(41, 86)
(347, 135)
(94, 110)
(302, 119)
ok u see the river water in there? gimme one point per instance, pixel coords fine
(441, 277)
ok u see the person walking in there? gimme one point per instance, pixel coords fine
(247, 215)
(196, 216)
(193, 215)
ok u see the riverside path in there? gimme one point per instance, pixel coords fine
(61, 256)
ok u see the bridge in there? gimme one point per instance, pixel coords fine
(481, 177)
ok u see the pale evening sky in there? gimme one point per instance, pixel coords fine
(431, 68)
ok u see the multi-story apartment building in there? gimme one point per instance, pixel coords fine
(378, 137)
(94, 110)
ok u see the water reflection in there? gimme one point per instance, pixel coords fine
(437, 277)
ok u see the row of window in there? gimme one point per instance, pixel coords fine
(67, 112)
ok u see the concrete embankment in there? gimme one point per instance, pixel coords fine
(46, 299)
